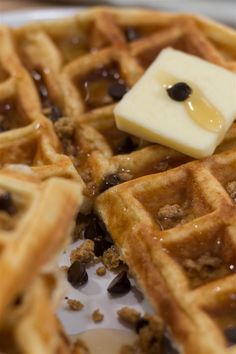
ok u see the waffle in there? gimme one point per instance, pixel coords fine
(74, 62)
(26, 319)
(58, 88)
(27, 137)
(27, 246)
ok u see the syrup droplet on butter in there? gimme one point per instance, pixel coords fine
(199, 109)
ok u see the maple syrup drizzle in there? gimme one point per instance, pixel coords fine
(198, 108)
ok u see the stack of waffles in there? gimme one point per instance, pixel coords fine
(173, 219)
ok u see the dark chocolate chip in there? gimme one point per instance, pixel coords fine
(77, 275)
(132, 34)
(100, 245)
(140, 324)
(120, 285)
(126, 146)
(110, 181)
(55, 113)
(230, 334)
(106, 235)
(117, 91)
(6, 203)
(179, 92)
(93, 228)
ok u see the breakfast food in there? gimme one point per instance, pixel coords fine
(29, 217)
(174, 226)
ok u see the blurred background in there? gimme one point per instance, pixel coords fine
(222, 10)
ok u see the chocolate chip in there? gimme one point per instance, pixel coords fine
(110, 181)
(106, 234)
(132, 34)
(120, 285)
(117, 91)
(230, 334)
(55, 113)
(140, 324)
(6, 203)
(77, 275)
(126, 146)
(93, 228)
(179, 92)
(100, 245)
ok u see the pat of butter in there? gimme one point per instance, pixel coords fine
(194, 126)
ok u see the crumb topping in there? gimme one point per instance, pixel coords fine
(84, 253)
(97, 316)
(111, 258)
(170, 215)
(129, 315)
(150, 331)
(150, 336)
(101, 271)
(206, 261)
(80, 347)
(65, 129)
(75, 305)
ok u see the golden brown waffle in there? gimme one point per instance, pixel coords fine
(176, 231)
(74, 62)
(61, 75)
(26, 135)
(30, 325)
(30, 213)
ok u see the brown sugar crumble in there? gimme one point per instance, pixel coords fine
(97, 316)
(75, 305)
(79, 347)
(170, 215)
(111, 258)
(150, 336)
(150, 331)
(101, 271)
(205, 268)
(65, 129)
(129, 315)
(231, 189)
(204, 261)
(84, 253)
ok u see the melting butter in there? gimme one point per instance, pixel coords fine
(199, 109)
(195, 126)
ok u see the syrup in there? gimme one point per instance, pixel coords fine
(198, 108)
